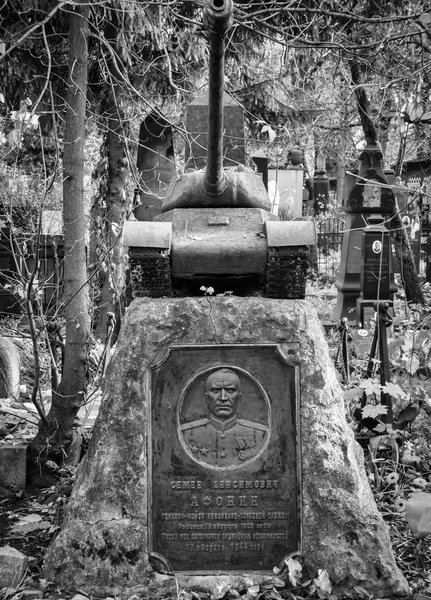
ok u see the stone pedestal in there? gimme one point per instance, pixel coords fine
(171, 497)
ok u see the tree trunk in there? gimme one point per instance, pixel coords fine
(54, 441)
(113, 203)
(399, 236)
(108, 216)
(368, 126)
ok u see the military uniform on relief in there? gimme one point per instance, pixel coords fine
(224, 443)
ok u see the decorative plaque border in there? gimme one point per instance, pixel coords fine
(224, 476)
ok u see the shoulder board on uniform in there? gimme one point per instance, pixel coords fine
(252, 424)
(194, 424)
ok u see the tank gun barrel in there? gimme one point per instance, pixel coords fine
(217, 19)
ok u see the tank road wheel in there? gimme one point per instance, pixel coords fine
(286, 272)
(149, 248)
(150, 274)
(288, 259)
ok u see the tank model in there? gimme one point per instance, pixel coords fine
(216, 228)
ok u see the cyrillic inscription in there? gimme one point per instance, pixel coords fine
(225, 526)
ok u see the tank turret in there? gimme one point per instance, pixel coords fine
(216, 228)
(216, 187)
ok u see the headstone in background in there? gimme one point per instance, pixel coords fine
(368, 193)
(9, 369)
(376, 268)
(156, 164)
(9, 302)
(409, 215)
(375, 272)
(51, 257)
(261, 161)
(426, 249)
(320, 186)
(197, 127)
(286, 191)
(426, 227)
(415, 215)
(362, 340)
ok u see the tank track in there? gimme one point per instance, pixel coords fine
(286, 272)
(150, 274)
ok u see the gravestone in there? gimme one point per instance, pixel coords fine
(156, 163)
(368, 194)
(9, 303)
(197, 127)
(261, 161)
(51, 257)
(410, 219)
(9, 369)
(426, 228)
(287, 191)
(426, 246)
(376, 269)
(320, 186)
(220, 449)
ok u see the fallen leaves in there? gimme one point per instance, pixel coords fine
(294, 571)
(29, 523)
(322, 584)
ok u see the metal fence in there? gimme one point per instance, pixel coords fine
(329, 240)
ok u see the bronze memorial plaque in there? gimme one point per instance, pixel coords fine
(224, 491)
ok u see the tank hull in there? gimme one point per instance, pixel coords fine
(218, 242)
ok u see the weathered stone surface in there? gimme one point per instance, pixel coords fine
(9, 369)
(103, 544)
(12, 566)
(13, 465)
(31, 594)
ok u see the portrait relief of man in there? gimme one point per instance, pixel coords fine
(221, 439)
